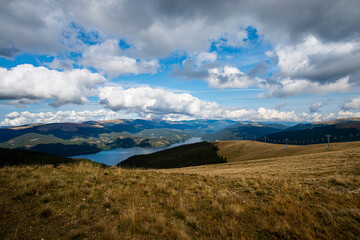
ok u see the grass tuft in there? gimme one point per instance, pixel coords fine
(316, 196)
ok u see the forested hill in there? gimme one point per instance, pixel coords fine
(243, 131)
(183, 156)
(68, 139)
(12, 157)
(345, 131)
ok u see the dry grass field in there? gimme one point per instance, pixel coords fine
(236, 151)
(254, 159)
(306, 193)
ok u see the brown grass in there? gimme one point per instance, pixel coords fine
(311, 196)
(304, 166)
(236, 151)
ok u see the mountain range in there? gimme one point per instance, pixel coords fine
(68, 139)
(339, 130)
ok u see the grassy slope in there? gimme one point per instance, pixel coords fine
(201, 153)
(14, 157)
(311, 196)
(236, 151)
(342, 160)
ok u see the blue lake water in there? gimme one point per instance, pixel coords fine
(114, 156)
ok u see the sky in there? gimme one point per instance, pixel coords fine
(248, 60)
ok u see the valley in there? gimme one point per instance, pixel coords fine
(308, 193)
(234, 189)
(67, 139)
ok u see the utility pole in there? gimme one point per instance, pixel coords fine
(286, 140)
(255, 138)
(265, 139)
(328, 137)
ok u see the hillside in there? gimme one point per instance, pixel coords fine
(311, 196)
(201, 153)
(341, 130)
(15, 157)
(89, 137)
(236, 151)
(305, 162)
(243, 131)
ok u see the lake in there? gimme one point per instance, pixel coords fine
(114, 156)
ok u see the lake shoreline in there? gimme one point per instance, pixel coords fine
(113, 157)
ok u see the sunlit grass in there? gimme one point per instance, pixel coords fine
(269, 199)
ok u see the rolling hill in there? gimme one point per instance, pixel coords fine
(89, 137)
(201, 153)
(341, 130)
(16, 157)
(243, 131)
(306, 196)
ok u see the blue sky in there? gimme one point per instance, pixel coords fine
(244, 60)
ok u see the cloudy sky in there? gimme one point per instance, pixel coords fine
(248, 60)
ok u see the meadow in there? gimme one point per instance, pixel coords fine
(300, 194)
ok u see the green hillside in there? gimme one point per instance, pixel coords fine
(12, 157)
(339, 131)
(243, 131)
(183, 156)
(88, 137)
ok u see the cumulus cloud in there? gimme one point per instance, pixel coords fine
(108, 58)
(26, 117)
(315, 107)
(29, 26)
(160, 103)
(319, 61)
(146, 100)
(259, 70)
(348, 114)
(159, 26)
(319, 53)
(197, 66)
(206, 57)
(26, 83)
(230, 77)
(352, 104)
(290, 87)
(165, 25)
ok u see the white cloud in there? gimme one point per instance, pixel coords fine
(352, 104)
(26, 117)
(26, 82)
(230, 77)
(204, 57)
(159, 103)
(347, 114)
(146, 100)
(290, 87)
(108, 58)
(159, 27)
(315, 107)
(317, 61)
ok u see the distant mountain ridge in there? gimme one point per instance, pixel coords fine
(68, 139)
(340, 130)
(244, 131)
(92, 136)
